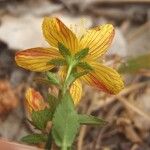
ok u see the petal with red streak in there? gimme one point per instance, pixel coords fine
(97, 40)
(104, 78)
(36, 59)
(55, 31)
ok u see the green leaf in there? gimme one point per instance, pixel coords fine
(40, 118)
(134, 65)
(65, 122)
(80, 74)
(63, 50)
(81, 54)
(53, 79)
(85, 66)
(53, 102)
(90, 120)
(34, 138)
(57, 62)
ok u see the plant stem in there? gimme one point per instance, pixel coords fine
(63, 91)
(64, 148)
(49, 142)
(64, 88)
(68, 72)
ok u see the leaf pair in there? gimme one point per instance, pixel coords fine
(39, 120)
(65, 52)
(66, 122)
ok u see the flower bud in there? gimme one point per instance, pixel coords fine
(34, 100)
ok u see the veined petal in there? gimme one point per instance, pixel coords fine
(97, 40)
(55, 31)
(36, 59)
(62, 72)
(76, 91)
(104, 78)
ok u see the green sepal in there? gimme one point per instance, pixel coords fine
(53, 102)
(40, 118)
(90, 120)
(85, 66)
(81, 54)
(134, 65)
(57, 62)
(65, 122)
(34, 138)
(63, 50)
(53, 78)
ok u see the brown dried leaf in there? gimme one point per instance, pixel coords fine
(8, 100)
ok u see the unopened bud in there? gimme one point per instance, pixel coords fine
(34, 100)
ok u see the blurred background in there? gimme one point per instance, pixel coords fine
(128, 113)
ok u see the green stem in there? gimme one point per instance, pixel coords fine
(68, 72)
(63, 91)
(65, 86)
(49, 142)
(64, 148)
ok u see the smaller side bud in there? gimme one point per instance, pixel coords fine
(34, 100)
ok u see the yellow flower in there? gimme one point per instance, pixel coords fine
(34, 100)
(97, 40)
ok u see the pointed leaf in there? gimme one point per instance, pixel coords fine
(81, 54)
(63, 50)
(53, 102)
(90, 120)
(65, 122)
(53, 79)
(34, 138)
(40, 118)
(57, 62)
(80, 74)
(85, 66)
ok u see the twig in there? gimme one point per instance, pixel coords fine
(122, 1)
(138, 32)
(81, 137)
(129, 106)
(124, 92)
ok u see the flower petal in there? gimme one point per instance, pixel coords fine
(55, 31)
(36, 59)
(76, 91)
(97, 40)
(104, 78)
